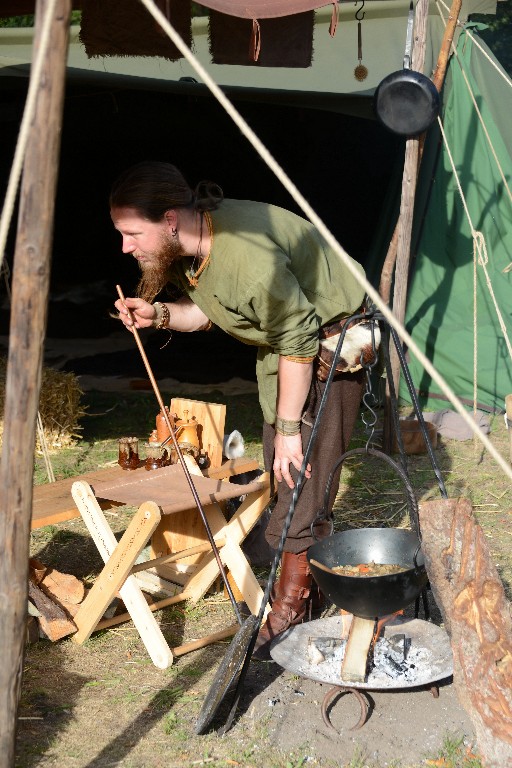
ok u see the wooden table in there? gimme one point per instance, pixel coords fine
(52, 503)
(182, 563)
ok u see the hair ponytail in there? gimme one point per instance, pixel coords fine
(207, 196)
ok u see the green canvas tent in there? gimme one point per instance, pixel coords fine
(458, 305)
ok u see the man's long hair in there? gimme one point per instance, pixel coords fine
(153, 187)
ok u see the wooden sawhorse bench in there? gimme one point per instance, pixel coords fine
(180, 552)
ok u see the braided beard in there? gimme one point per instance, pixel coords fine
(154, 276)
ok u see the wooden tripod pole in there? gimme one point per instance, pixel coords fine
(182, 461)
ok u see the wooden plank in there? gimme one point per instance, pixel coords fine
(241, 573)
(53, 502)
(119, 559)
(236, 530)
(194, 645)
(355, 658)
(232, 467)
(211, 417)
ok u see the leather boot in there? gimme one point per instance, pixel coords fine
(289, 604)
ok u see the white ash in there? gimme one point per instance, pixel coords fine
(397, 661)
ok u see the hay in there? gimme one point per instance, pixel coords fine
(59, 406)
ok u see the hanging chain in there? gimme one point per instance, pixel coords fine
(370, 401)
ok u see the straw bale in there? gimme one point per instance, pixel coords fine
(59, 406)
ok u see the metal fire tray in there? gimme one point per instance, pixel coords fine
(429, 647)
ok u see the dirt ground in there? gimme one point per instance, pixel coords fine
(105, 704)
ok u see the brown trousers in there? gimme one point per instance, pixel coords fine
(332, 440)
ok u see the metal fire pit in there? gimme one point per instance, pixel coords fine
(429, 651)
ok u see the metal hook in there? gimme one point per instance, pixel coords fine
(360, 18)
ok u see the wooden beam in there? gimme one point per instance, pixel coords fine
(26, 341)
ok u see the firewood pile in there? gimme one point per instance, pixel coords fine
(54, 598)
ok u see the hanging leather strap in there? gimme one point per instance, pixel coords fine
(335, 17)
(255, 45)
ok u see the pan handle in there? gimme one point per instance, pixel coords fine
(412, 503)
(408, 41)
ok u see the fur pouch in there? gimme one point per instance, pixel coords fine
(357, 349)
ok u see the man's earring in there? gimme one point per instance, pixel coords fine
(174, 232)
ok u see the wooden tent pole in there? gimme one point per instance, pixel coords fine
(399, 251)
(404, 225)
(438, 80)
(31, 272)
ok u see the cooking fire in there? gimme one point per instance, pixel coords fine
(408, 653)
(394, 660)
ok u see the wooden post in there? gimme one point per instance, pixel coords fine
(404, 226)
(407, 206)
(438, 80)
(27, 332)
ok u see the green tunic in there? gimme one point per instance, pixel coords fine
(271, 281)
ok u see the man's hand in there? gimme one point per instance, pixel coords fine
(288, 450)
(142, 312)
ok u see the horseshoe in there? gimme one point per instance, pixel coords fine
(336, 691)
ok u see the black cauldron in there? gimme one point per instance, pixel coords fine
(370, 596)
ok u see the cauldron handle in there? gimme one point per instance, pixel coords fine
(412, 503)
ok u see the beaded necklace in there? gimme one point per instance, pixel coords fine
(193, 274)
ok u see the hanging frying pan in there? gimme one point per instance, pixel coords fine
(407, 102)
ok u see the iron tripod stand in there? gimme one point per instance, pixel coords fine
(233, 669)
(370, 402)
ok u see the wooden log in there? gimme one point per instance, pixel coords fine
(477, 616)
(53, 619)
(60, 587)
(31, 274)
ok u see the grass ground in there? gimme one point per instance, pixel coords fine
(105, 704)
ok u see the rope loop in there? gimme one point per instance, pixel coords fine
(480, 247)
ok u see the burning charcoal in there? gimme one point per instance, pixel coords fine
(389, 657)
(399, 645)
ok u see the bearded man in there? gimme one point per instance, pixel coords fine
(265, 276)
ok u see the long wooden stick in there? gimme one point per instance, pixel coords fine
(182, 461)
(172, 558)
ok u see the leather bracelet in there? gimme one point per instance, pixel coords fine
(287, 427)
(163, 316)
